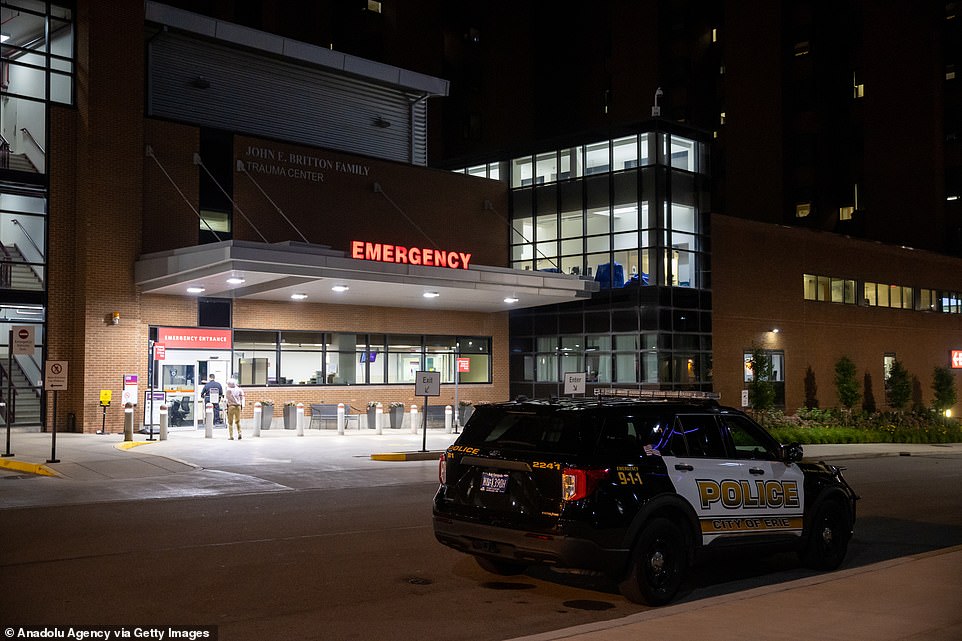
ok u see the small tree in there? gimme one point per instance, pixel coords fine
(761, 392)
(811, 389)
(846, 383)
(943, 384)
(898, 386)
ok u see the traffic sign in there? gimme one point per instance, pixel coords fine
(575, 382)
(23, 340)
(427, 384)
(55, 376)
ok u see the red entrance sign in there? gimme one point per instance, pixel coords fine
(956, 359)
(382, 252)
(464, 364)
(192, 338)
(160, 352)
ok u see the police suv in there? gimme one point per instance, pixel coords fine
(633, 487)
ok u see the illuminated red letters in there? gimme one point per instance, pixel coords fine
(382, 252)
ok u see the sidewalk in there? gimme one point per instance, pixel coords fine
(912, 598)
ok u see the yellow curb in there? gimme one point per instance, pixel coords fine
(126, 445)
(30, 468)
(406, 456)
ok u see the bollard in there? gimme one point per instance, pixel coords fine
(448, 419)
(340, 419)
(378, 417)
(257, 418)
(163, 422)
(414, 419)
(300, 419)
(209, 421)
(128, 422)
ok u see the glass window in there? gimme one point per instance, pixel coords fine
(701, 435)
(546, 168)
(809, 286)
(596, 158)
(625, 153)
(682, 153)
(571, 163)
(522, 172)
(748, 440)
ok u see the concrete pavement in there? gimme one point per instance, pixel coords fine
(911, 598)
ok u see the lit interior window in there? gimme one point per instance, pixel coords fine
(374, 6)
(846, 213)
(802, 210)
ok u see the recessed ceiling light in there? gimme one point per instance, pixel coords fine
(298, 296)
(235, 280)
(430, 294)
(511, 299)
(340, 288)
(195, 290)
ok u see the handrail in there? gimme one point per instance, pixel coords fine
(27, 131)
(27, 234)
(4, 153)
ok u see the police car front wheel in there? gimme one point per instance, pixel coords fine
(658, 564)
(828, 539)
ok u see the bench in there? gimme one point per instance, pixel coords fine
(321, 412)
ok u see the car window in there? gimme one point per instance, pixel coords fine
(748, 440)
(702, 437)
(537, 429)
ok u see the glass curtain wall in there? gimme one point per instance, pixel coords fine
(628, 213)
(37, 69)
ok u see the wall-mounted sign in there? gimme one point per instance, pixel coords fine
(192, 338)
(464, 364)
(382, 252)
(956, 360)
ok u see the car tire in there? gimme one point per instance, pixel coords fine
(501, 567)
(659, 561)
(828, 537)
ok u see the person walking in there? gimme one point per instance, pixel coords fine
(212, 393)
(235, 403)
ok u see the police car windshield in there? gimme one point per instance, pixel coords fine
(531, 428)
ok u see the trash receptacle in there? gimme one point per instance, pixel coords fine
(71, 422)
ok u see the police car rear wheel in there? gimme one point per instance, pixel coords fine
(658, 564)
(500, 567)
(828, 539)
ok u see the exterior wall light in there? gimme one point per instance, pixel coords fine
(775, 330)
(115, 318)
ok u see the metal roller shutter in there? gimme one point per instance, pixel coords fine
(204, 83)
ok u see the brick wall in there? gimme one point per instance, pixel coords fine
(757, 286)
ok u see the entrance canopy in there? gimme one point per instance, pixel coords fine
(319, 274)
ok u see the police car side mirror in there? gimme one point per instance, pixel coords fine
(792, 453)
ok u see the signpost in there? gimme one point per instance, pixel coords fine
(55, 379)
(105, 396)
(426, 384)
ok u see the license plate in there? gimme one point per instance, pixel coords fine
(494, 482)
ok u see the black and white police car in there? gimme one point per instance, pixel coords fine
(633, 487)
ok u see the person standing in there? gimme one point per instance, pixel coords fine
(212, 393)
(235, 403)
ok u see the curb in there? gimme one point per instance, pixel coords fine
(129, 445)
(30, 468)
(406, 456)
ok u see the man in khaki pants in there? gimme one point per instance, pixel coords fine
(235, 403)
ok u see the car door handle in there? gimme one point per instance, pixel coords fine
(756, 470)
(684, 467)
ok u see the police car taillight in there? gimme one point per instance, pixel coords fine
(443, 469)
(577, 484)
